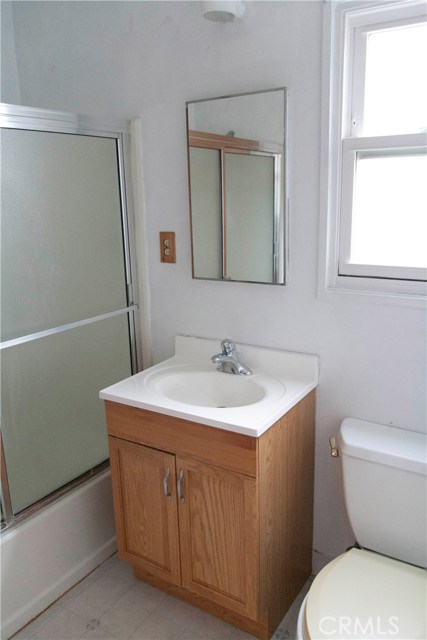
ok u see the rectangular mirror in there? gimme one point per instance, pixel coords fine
(236, 158)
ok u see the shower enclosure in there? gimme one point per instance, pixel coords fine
(67, 301)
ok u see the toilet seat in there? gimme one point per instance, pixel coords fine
(362, 594)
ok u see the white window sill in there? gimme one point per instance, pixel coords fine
(374, 290)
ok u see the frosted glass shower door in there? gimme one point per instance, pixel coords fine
(65, 307)
(62, 248)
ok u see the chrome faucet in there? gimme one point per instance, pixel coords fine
(228, 360)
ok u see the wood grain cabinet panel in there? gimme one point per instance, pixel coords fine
(146, 519)
(221, 520)
(219, 536)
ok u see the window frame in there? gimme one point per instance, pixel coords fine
(345, 26)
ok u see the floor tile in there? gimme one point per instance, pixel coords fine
(281, 634)
(207, 627)
(146, 595)
(128, 613)
(65, 625)
(111, 604)
(113, 566)
(30, 630)
(156, 627)
(101, 594)
(75, 591)
(179, 611)
(105, 566)
(97, 634)
(239, 634)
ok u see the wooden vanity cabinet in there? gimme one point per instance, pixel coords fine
(220, 519)
(204, 539)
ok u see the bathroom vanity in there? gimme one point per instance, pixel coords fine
(214, 514)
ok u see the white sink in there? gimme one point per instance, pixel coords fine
(188, 386)
(195, 386)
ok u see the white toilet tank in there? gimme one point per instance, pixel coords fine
(384, 474)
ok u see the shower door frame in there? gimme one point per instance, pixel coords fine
(32, 119)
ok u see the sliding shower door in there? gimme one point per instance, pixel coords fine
(67, 304)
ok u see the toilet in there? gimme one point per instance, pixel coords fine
(377, 589)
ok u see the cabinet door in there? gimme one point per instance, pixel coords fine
(219, 535)
(145, 508)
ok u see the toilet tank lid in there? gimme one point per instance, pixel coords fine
(383, 444)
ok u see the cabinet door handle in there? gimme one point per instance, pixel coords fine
(179, 486)
(168, 495)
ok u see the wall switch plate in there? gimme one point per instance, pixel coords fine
(167, 246)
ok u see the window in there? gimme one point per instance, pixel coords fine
(377, 143)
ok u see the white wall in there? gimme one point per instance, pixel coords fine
(131, 59)
(9, 70)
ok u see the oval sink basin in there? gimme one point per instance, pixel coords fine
(209, 389)
(212, 389)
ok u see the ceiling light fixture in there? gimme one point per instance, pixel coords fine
(223, 10)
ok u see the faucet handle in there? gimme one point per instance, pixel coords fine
(228, 346)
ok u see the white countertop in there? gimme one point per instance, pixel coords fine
(285, 378)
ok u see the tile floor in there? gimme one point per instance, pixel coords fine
(111, 604)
